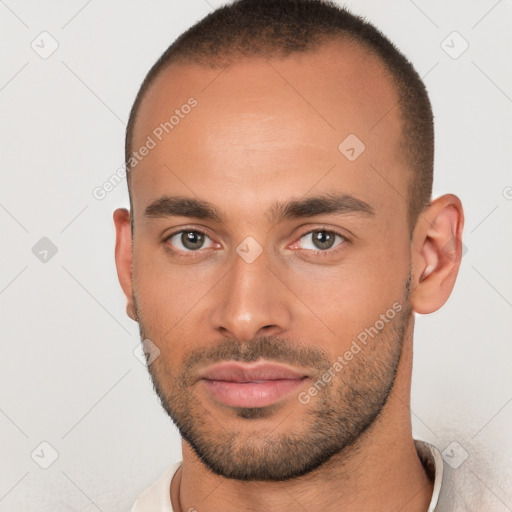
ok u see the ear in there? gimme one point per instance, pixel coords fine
(436, 253)
(124, 257)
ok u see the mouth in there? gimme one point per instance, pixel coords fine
(251, 385)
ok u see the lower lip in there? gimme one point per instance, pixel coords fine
(252, 394)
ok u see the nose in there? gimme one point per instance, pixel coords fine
(252, 301)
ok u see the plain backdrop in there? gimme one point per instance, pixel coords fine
(69, 376)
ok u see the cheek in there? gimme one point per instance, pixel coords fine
(164, 293)
(165, 284)
(351, 296)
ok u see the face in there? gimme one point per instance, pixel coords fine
(271, 265)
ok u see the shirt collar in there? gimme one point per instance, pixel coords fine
(432, 461)
(157, 496)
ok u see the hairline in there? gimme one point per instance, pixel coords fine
(231, 58)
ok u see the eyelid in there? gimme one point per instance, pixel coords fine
(174, 231)
(328, 229)
(203, 230)
(184, 229)
(331, 250)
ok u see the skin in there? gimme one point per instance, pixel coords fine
(266, 131)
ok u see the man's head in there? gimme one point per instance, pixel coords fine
(284, 219)
(270, 28)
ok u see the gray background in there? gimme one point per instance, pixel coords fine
(69, 376)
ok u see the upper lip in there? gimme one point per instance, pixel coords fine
(233, 371)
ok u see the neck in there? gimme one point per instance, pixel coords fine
(380, 471)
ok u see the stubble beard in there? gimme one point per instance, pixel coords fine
(330, 423)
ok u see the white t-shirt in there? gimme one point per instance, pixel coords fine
(445, 497)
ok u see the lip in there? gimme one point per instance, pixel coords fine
(251, 385)
(233, 371)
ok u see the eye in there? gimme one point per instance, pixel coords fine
(321, 240)
(189, 240)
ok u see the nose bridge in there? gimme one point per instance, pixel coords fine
(251, 302)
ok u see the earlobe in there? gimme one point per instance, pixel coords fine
(437, 253)
(123, 256)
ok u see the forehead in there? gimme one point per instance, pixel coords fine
(261, 119)
(341, 81)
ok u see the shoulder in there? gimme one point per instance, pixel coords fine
(157, 498)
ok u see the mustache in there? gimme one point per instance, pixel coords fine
(270, 348)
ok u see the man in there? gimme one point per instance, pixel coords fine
(281, 236)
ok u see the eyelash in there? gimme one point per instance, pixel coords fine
(326, 252)
(318, 252)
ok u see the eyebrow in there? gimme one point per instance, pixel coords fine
(169, 206)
